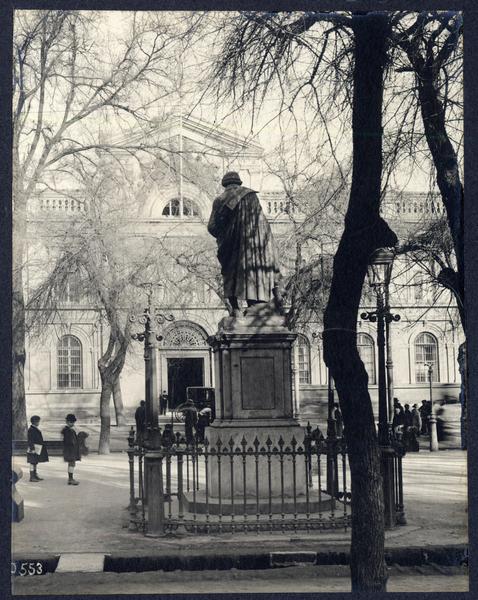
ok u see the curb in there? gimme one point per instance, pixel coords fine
(442, 556)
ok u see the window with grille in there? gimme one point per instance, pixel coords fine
(69, 363)
(304, 359)
(366, 350)
(72, 292)
(426, 353)
(417, 286)
(174, 208)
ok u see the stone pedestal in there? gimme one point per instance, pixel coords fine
(254, 409)
(266, 469)
(253, 368)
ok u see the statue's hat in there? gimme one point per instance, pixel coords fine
(231, 177)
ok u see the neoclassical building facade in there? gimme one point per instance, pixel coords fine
(61, 373)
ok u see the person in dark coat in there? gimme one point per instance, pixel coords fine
(140, 418)
(409, 435)
(398, 422)
(163, 403)
(71, 447)
(204, 420)
(417, 420)
(37, 452)
(423, 410)
(190, 420)
(339, 422)
(245, 246)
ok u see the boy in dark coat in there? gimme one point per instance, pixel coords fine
(37, 451)
(71, 447)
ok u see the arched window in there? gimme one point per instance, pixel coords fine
(304, 359)
(426, 353)
(69, 362)
(366, 350)
(173, 208)
(72, 292)
(418, 288)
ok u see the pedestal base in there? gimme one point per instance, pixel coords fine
(261, 461)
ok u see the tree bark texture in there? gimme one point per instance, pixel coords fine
(19, 415)
(446, 165)
(105, 417)
(364, 232)
(110, 366)
(118, 402)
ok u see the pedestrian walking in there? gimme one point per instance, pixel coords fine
(37, 452)
(423, 410)
(163, 403)
(140, 418)
(190, 420)
(339, 422)
(204, 419)
(417, 419)
(398, 422)
(71, 447)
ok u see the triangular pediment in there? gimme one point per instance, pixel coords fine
(196, 134)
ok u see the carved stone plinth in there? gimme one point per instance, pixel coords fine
(254, 409)
(252, 360)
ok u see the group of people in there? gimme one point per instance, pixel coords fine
(37, 451)
(408, 424)
(195, 422)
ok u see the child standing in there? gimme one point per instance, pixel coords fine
(71, 447)
(37, 451)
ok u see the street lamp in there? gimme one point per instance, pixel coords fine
(379, 273)
(433, 419)
(150, 317)
(152, 442)
(332, 466)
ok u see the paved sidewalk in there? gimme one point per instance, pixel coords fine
(92, 516)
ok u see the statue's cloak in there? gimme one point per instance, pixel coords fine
(245, 244)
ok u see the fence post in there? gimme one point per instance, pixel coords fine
(400, 509)
(154, 471)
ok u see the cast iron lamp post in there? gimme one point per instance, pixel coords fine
(332, 466)
(379, 273)
(433, 419)
(153, 459)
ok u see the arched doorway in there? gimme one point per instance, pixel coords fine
(185, 360)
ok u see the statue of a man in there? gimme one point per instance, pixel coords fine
(245, 245)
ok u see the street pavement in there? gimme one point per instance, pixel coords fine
(92, 518)
(308, 579)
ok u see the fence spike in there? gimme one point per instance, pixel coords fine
(256, 442)
(281, 442)
(268, 441)
(243, 442)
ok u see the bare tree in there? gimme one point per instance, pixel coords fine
(98, 245)
(431, 42)
(67, 78)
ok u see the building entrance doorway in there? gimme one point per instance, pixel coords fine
(182, 373)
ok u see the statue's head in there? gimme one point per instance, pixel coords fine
(230, 178)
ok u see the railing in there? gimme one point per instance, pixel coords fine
(229, 487)
(59, 205)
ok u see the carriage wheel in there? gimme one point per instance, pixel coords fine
(179, 416)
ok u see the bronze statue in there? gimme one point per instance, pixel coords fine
(245, 245)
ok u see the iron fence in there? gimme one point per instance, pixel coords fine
(243, 485)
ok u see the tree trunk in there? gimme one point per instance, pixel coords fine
(364, 232)
(106, 391)
(19, 415)
(118, 402)
(446, 165)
